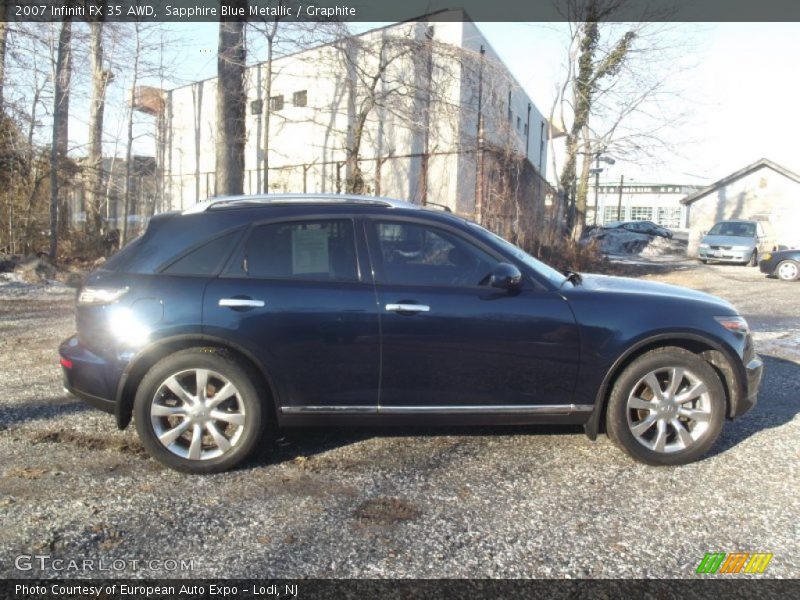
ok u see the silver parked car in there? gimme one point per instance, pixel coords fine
(734, 241)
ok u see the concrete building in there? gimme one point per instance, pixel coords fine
(762, 191)
(443, 122)
(657, 202)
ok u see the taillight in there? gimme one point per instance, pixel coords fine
(67, 364)
(89, 296)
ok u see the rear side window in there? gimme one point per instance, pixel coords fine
(119, 260)
(204, 260)
(314, 250)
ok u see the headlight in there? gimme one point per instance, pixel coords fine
(96, 296)
(704, 245)
(735, 324)
(742, 248)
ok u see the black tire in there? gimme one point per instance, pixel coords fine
(754, 259)
(704, 261)
(619, 415)
(788, 270)
(246, 400)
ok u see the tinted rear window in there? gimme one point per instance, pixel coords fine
(206, 259)
(119, 260)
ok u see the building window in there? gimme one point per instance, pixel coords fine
(300, 98)
(525, 129)
(610, 214)
(276, 103)
(519, 123)
(256, 106)
(641, 213)
(669, 217)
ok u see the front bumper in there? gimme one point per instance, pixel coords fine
(754, 369)
(89, 376)
(731, 256)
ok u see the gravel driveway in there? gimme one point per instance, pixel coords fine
(523, 502)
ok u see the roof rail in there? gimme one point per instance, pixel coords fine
(265, 199)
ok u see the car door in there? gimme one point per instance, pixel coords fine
(295, 294)
(450, 342)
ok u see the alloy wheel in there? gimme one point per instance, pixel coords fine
(788, 271)
(197, 414)
(669, 409)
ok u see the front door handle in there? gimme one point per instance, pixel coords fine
(408, 308)
(241, 303)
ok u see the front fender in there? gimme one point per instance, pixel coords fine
(690, 340)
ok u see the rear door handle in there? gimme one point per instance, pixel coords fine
(408, 308)
(241, 303)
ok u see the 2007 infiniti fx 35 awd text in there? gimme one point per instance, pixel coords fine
(300, 310)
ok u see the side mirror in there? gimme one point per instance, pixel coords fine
(506, 277)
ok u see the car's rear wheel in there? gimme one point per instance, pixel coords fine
(788, 270)
(198, 411)
(666, 408)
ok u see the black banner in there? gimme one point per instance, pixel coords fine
(732, 588)
(389, 11)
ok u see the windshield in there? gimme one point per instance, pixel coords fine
(556, 278)
(734, 229)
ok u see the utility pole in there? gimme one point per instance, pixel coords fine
(619, 202)
(596, 185)
(479, 147)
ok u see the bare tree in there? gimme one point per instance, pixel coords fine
(60, 141)
(609, 80)
(3, 42)
(231, 106)
(100, 79)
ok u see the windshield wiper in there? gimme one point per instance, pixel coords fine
(573, 276)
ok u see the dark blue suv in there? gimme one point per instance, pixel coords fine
(302, 310)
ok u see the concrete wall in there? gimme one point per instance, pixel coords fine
(764, 194)
(307, 143)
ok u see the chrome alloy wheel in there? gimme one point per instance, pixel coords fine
(787, 270)
(197, 414)
(669, 409)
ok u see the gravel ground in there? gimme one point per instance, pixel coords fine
(524, 502)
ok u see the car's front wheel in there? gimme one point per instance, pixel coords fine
(198, 411)
(666, 408)
(753, 259)
(788, 270)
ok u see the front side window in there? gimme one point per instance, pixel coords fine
(414, 254)
(321, 250)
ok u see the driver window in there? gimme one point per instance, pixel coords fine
(413, 254)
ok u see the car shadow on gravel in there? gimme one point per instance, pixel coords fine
(302, 443)
(54, 407)
(777, 405)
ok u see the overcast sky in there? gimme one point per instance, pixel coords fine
(739, 90)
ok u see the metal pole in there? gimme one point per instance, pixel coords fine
(619, 202)
(596, 184)
(479, 147)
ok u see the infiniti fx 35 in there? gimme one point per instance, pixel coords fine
(307, 310)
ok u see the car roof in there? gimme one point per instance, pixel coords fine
(227, 202)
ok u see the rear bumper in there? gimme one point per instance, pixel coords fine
(89, 376)
(754, 370)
